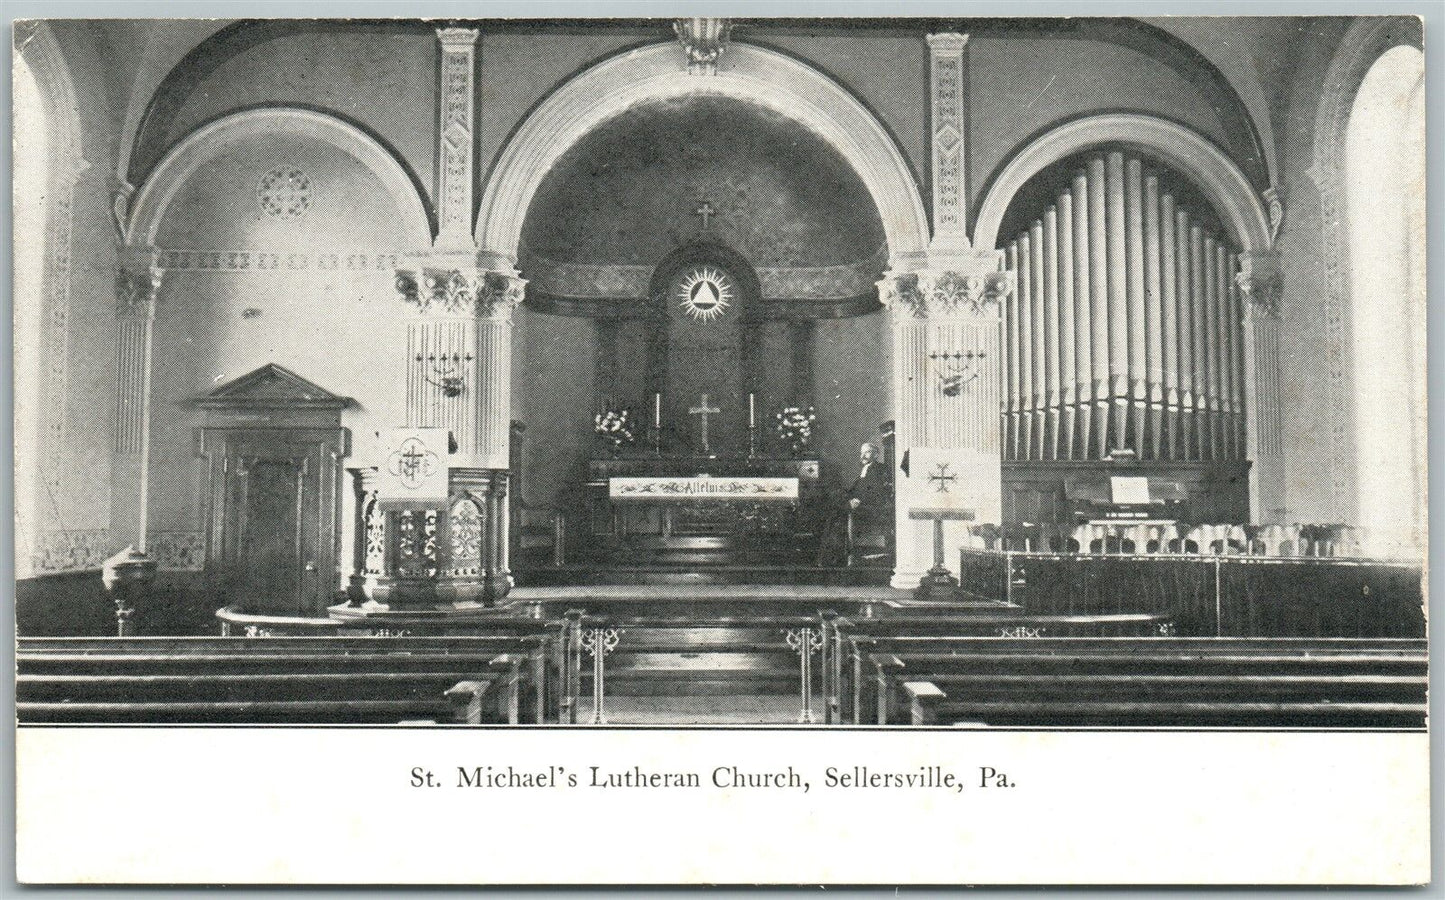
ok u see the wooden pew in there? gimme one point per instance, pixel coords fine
(1192, 682)
(848, 641)
(297, 679)
(872, 658)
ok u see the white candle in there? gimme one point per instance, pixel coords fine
(752, 410)
(657, 410)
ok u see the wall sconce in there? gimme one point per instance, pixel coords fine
(444, 374)
(956, 369)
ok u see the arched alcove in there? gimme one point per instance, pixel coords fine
(659, 72)
(204, 144)
(1207, 167)
(1384, 175)
(48, 162)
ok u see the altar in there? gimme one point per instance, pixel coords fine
(703, 509)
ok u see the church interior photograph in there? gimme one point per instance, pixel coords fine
(981, 372)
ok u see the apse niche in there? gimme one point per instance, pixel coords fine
(723, 182)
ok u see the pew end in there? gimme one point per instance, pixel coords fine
(466, 699)
(923, 700)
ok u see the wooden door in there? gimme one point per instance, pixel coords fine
(267, 515)
(274, 524)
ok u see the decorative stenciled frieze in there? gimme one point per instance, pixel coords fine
(946, 71)
(703, 40)
(483, 294)
(454, 135)
(242, 261)
(934, 295)
(178, 551)
(619, 282)
(70, 550)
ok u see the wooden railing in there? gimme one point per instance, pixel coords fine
(1209, 596)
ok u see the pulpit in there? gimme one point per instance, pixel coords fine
(425, 554)
(702, 510)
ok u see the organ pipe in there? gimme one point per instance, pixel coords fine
(1099, 300)
(1169, 318)
(1199, 376)
(1125, 330)
(1051, 332)
(1011, 354)
(1083, 315)
(1134, 284)
(1118, 303)
(1036, 296)
(1068, 372)
(1153, 307)
(1185, 337)
(1026, 330)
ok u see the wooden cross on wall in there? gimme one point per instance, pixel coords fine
(705, 209)
(703, 410)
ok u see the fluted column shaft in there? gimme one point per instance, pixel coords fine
(137, 287)
(1259, 287)
(935, 312)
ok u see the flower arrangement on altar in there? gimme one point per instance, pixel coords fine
(614, 426)
(795, 427)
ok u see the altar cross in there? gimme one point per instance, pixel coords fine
(705, 209)
(703, 410)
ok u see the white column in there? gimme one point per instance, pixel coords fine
(137, 286)
(945, 312)
(1260, 286)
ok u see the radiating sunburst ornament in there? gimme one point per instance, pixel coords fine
(705, 293)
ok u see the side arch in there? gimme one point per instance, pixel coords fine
(748, 73)
(1213, 172)
(182, 160)
(1365, 41)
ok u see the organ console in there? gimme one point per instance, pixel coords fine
(1124, 334)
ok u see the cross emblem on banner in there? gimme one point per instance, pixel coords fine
(941, 478)
(703, 410)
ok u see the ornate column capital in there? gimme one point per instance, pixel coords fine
(945, 294)
(137, 282)
(947, 42)
(434, 288)
(457, 37)
(703, 40)
(1260, 283)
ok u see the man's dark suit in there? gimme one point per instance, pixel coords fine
(870, 489)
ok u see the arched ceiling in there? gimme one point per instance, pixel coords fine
(1226, 61)
(628, 193)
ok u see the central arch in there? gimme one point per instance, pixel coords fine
(660, 72)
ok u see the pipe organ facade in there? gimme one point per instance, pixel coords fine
(1125, 331)
(1123, 341)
